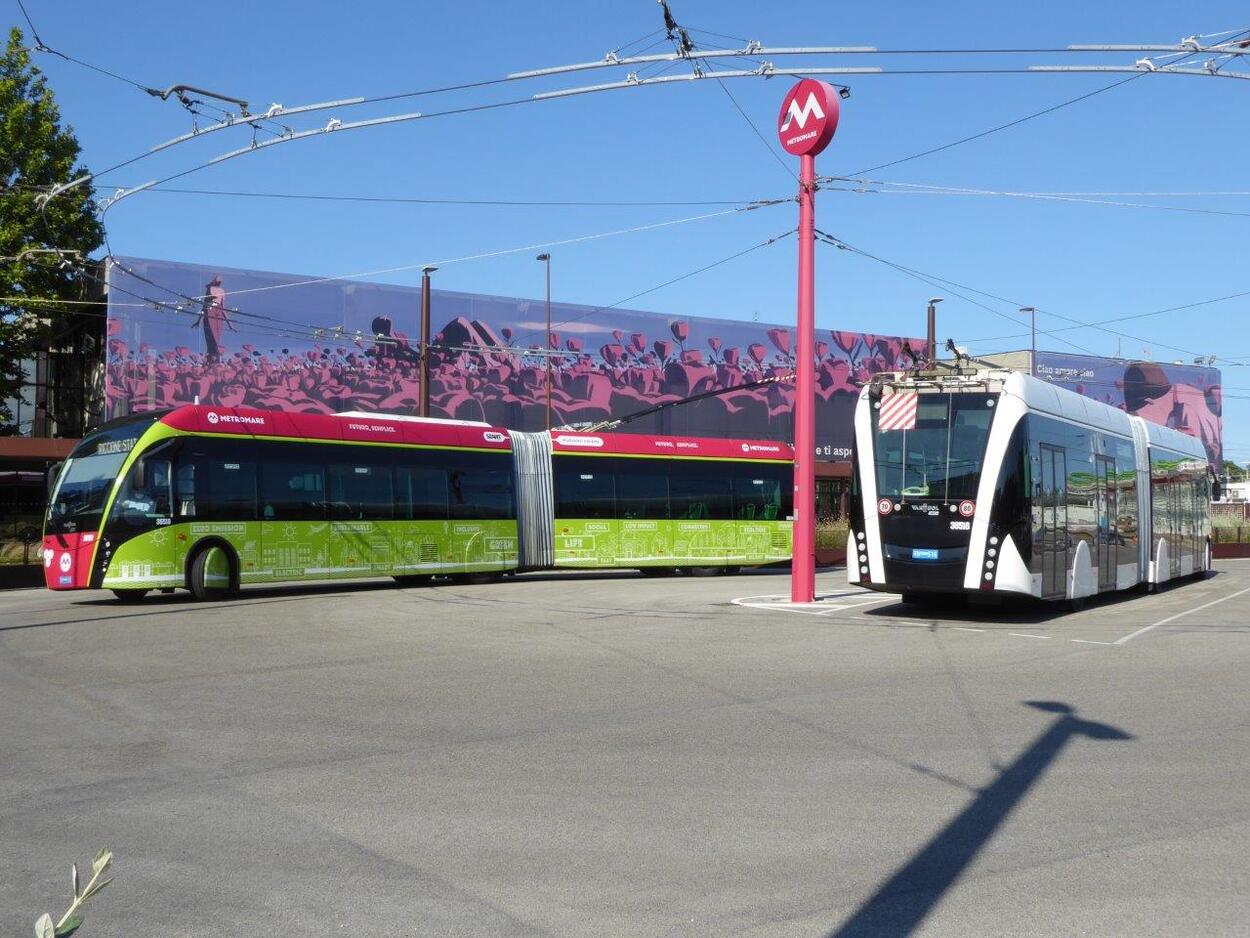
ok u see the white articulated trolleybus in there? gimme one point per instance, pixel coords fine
(989, 481)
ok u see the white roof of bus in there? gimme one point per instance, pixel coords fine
(1183, 443)
(1048, 398)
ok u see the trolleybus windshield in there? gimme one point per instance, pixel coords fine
(88, 476)
(940, 457)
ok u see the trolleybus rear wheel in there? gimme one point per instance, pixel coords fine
(415, 579)
(471, 579)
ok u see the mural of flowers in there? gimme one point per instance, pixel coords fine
(483, 364)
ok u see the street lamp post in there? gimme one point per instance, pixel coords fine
(1032, 311)
(424, 407)
(931, 340)
(546, 259)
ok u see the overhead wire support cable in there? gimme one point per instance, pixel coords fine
(1078, 323)
(752, 49)
(667, 283)
(482, 255)
(509, 203)
(940, 282)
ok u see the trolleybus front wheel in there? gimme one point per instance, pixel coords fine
(212, 574)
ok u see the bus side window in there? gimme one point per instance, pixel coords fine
(146, 494)
(184, 487)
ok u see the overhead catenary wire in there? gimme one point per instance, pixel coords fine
(234, 309)
(505, 203)
(562, 242)
(861, 186)
(929, 151)
(1078, 323)
(610, 61)
(789, 170)
(936, 281)
(41, 46)
(667, 283)
(290, 329)
(1028, 117)
(1134, 316)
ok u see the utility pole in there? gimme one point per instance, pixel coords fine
(1032, 311)
(424, 410)
(931, 342)
(806, 124)
(546, 259)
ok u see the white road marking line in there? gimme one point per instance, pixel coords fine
(1026, 635)
(1147, 628)
(965, 628)
(822, 607)
(1087, 641)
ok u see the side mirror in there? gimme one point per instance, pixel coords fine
(1217, 491)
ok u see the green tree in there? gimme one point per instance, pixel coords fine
(1234, 472)
(36, 153)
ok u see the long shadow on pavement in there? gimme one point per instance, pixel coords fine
(901, 903)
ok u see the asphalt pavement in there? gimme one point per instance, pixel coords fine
(615, 755)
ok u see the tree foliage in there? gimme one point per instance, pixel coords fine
(36, 153)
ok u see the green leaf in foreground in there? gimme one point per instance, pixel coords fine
(102, 859)
(69, 926)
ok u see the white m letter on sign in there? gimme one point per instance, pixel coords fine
(801, 114)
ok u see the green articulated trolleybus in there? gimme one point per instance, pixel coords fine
(213, 498)
(995, 482)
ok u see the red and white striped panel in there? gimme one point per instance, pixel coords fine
(898, 411)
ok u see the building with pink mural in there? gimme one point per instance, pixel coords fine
(180, 333)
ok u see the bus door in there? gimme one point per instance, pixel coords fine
(1054, 531)
(139, 536)
(1176, 522)
(1107, 508)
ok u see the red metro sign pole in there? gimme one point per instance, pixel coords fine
(808, 119)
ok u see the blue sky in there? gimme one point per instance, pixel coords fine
(687, 142)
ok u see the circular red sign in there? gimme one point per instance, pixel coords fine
(967, 508)
(884, 506)
(809, 116)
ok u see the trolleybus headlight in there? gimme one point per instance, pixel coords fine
(991, 551)
(860, 535)
(988, 577)
(989, 565)
(863, 569)
(993, 540)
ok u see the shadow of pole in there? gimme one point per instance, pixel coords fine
(901, 903)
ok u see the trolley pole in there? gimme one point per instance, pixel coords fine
(808, 119)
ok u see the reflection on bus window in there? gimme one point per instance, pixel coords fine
(941, 456)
